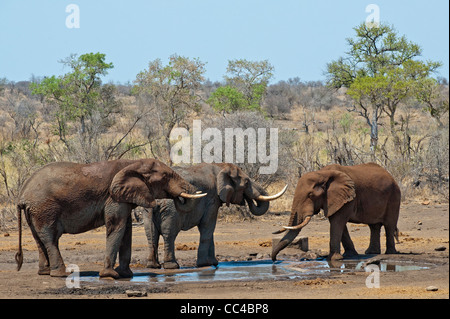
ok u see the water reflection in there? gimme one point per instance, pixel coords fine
(384, 265)
(260, 270)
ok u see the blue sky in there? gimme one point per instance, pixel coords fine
(298, 37)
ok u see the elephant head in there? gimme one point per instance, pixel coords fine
(142, 182)
(325, 189)
(235, 187)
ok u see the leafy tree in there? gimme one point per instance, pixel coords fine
(81, 101)
(171, 91)
(380, 72)
(246, 86)
(227, 99)
(429, 92)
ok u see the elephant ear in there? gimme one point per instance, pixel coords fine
(340, 190)
(225, 188)
(129, 186)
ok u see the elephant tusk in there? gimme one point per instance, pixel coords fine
(282, 230)
(263, 198)
(299, 226)
(197, 194)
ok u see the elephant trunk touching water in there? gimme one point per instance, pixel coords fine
(364, 193)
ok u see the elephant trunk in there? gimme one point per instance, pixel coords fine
(185, 196)
(284, 242)
(293, 231)
(259, 209)
(256, 193)
(184, 205)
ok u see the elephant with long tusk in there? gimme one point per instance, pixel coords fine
(364, 193)
(73, 198)
(225, 184)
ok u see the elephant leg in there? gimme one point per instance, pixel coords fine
(170, 262)
(115, 221)
(390, 239)
(152, 234)
(125, 252)
(374, 247)
(44, 262)
(390, 224)
(206, 255)
(49, 238)
(337, 225)
(349, 247)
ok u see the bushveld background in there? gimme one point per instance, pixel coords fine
(316, 127)
(379, 103)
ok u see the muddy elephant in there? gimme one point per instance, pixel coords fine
(73, 198)
(225, 184)
(364, 193)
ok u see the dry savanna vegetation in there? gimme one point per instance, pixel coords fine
(380, 105)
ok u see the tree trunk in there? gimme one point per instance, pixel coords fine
(374, 134)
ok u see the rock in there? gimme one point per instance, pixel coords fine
(440, 248)
(136, 293)
(303, 243)
(432, 288)
(309, 256)
(426, 202)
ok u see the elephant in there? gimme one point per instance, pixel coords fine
(364, 193)
(64, 197)
(225, 184)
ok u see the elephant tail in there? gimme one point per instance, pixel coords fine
(19, 254)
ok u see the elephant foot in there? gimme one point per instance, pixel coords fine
(207, 262)
(109, 272)
(59, 272)
(351, 254)
(171, 265)
(124, 272)
(370, 251)
(153, 264)
(44, 271)
(391, 251)
(335, 256)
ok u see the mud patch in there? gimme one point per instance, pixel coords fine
(86, 290)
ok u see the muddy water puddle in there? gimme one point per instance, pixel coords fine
(261, 270)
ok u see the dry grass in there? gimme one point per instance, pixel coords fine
(334, 136)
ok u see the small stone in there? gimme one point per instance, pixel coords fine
(136, 293)
(432, 288)
(419, 223)
(440, 248)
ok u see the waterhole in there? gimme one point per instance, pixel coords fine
(261, 270)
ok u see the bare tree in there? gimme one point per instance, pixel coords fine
(171, 93)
